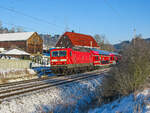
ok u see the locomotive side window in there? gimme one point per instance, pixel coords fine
(111, 58)
(55, 53)
(70, 53)
(62, 53)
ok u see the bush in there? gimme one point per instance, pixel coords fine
(131, 73)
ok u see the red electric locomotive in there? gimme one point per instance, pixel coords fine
(69, 60)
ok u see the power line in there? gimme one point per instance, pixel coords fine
(24, 27)
(113, 9)
(29, 16)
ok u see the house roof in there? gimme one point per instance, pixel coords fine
(15, 52)
(81, 39)
(15, 36)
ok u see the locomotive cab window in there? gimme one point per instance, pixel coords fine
(62, 53)
(59, 53)
(55, 53)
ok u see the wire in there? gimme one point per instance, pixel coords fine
(24, 27)
(114, 10)
(29, 16)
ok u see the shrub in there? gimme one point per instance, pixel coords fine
(131, 73)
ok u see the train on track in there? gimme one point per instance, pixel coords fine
(70, 60)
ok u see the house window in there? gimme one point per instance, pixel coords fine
(65, 37)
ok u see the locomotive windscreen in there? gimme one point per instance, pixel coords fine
(59, 53)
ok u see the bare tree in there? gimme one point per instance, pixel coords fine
(19, 29)
(100, 39)
(1, 25)
(5, 30)
(12, 30)
(132, 72)
(103, 43)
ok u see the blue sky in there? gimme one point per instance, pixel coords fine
(115, 19)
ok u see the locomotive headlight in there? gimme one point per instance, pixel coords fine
(54, 60)
(63, 59)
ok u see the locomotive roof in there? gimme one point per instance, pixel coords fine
(83, 40)
(15, 36)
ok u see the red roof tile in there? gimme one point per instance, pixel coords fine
(81, 39)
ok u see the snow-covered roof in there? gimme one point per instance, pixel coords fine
(15, 36)
(15, 52)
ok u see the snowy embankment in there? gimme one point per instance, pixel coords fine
(72, 97)
(134, 103)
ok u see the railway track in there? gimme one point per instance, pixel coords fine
(13, 90)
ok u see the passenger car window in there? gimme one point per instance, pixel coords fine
(96, 57)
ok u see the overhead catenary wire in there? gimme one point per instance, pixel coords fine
(113, 9)
(24, 27)
(32, 17)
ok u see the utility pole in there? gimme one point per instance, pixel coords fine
(134, 30)
(66, 28)
(66, 25)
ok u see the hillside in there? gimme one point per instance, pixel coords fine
(123, 44)
(49, 41)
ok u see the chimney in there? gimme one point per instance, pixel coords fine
(91, 44)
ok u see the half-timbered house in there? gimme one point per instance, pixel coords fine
(71, 39)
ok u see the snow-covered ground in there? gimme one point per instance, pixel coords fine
(73, 97)
(134, 103)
